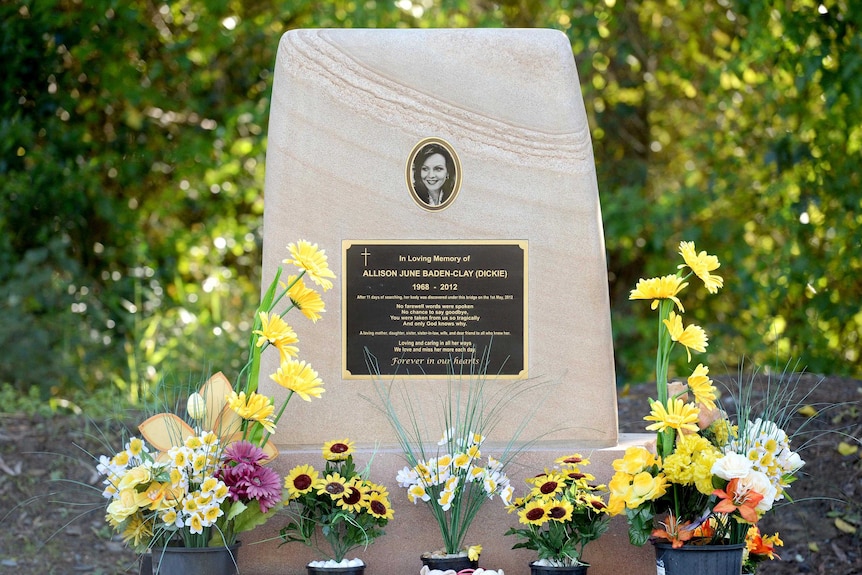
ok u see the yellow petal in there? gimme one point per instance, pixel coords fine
(845, 448)
(807, 411)
(844, 526)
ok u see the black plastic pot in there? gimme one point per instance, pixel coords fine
(699, 559)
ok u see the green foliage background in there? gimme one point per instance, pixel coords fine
(132, 144)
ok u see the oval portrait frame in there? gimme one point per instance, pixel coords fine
(456, 185)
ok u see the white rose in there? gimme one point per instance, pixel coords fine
(731, 466)
(759, 482)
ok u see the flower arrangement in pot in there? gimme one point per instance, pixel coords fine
(199, 477)
(336, 509)
(453, 476)
(710, 478)
(562, 512)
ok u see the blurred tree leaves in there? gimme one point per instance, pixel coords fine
(132, 146)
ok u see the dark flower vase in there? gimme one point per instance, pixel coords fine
(445, 563)
(191, 561)
(549, 570)
(700, 559)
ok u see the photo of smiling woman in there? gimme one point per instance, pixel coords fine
(434, 174)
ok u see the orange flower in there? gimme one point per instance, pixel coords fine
(674, 531)
(733, 498)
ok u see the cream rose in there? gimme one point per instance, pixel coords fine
(731, 466)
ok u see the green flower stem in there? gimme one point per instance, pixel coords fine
(664, 439)
(267, 435)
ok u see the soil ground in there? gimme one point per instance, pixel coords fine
(51, 513)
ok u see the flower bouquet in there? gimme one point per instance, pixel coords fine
(199, 477)
(451, 476)
(563, 511)
(709, 479)
(338, 506)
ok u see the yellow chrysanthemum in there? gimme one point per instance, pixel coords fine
(313, 261)
(691, 336)
(701, 264)
(137, 531)
(254, 407)
(298, 376)
(301, 479)
(665, 287)
(278, 333)
(337, 450)
(691, 463)
(677, 415)
(702, 388)
(305, 299)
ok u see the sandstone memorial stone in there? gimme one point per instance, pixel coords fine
(449, 175)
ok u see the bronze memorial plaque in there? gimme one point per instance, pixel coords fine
(423, 307)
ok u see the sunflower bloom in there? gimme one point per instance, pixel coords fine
(691, 336)
(301, 479)
(337, 450)
(560, 511)
(701, 264)
(313, 261)
(534, 513)
(277, 332)
(306, 299)
(702, 388)
(298, 376)
(677, 415)
(254, 407)
(378, 506)
(333, 485)
(665, 287)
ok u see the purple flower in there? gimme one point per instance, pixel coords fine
(247, 479)
(243, 452)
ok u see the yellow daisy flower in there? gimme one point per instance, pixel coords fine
(547, 485)
(702, 388)
(305, 299)
(677, 415)
(692, 336)
(665, 287)
(254, 407)
(313, 261)
(701, 264)
(278, 333)
(298, 376)
(337, 450)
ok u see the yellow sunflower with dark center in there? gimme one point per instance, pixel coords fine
(548, 484)
(354, 498)
(337, 450)
(333, 485)
(301, 479)
(560, 510)
(378, 506)
(534, 513)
